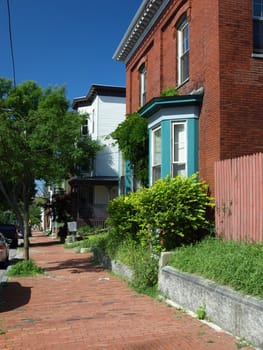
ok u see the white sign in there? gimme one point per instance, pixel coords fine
(72, 226)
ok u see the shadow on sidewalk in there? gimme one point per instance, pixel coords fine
(44, 244)
(13, 295)
(77, 265)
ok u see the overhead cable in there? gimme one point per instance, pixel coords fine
(11, 43)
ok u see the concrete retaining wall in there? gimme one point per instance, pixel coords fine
(233, 312)
(237, 314)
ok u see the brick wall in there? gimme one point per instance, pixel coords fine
(231, 121)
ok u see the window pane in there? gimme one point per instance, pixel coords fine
(179, 169)
(258, 36)
(142, 85)
(179, 150)
(157, 147)
(156, 173)
(183, 52)
(185, 66)
(179, 143)
(258, 8)
(185, 38)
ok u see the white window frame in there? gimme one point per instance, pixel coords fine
(176, 162)
(258, 27)
(85, 127)
(156, 163)
(142, 77)
(183, 51)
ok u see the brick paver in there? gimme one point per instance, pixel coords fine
(79, 305)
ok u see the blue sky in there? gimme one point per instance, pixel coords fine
(65, 42)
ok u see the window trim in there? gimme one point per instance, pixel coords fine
(185, 161)
(182, 52)
(142, 84)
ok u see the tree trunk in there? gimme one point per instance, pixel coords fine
(26, 225)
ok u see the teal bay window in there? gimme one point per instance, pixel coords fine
(173, 124)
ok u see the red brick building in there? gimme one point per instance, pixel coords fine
(211, 51)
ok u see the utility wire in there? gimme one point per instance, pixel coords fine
(11, 42)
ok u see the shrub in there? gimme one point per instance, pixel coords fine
(172, 212)
(122, 220)
(143, 264)
(145, 269)
(24, 268)
(175, 211)
(170, 91)
(132, 138)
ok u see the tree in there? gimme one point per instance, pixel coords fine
(40, 139)
(132, 138)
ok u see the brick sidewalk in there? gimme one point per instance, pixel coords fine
(77, 304)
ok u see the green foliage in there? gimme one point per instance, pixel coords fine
(96, 240)
(35, 212)
(141, 261)
(40, 139)
(235, 264)
(132, 138)
(243, 343)
(170, 91)
(122, 221)
(173, 211)
(24, 268)
(145, 268)
(88, 230)
(201, 312)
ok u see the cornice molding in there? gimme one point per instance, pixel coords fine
(143, 21)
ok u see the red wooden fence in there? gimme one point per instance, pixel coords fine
(239, 198)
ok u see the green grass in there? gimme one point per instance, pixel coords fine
(90, 242)
(143, 265)
(24, 268)
(238, 265)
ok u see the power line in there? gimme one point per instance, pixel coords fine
(11, 42)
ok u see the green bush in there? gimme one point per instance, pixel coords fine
(172, 212)
(143, 264)
(122, 221)
(24, 268)
(145, 268)
(90, 242)
(175, 210)
(170, 91)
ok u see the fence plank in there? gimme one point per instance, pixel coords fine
(239, 198)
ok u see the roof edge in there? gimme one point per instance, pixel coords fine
(143, 21)
(158, 103)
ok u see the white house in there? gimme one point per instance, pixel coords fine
(106, 108)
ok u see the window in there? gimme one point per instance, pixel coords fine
(142, 72)
(156, 154)
(258, 26)
(85, 128)
(179, 149)
(183, 51)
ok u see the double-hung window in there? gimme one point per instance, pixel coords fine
(183, 51)
(179, 153)
(258, 27)
(142, 75)
(156, 154)
(85, 128)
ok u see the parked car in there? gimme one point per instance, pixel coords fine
(10, 232)
(4, 250)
